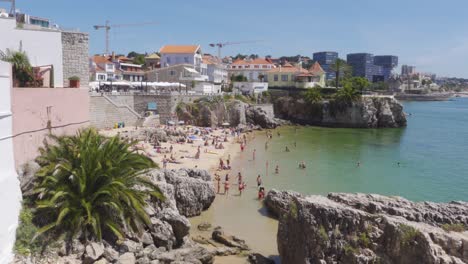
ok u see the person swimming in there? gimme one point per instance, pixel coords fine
(287, 149)
(277, 169)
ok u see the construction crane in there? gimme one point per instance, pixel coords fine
(222, 45)
(12, 8)
(108, 27)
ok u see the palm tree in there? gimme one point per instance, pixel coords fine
(22, 69)
(339, 66)
(89, 184)
(347, 94)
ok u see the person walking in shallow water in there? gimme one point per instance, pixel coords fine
(253, 154)
(259, 181)
(277, 169)
(226, 187)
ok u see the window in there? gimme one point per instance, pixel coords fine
(256, 66)
(172, 73)
(168, 59)
(284, 78)
(186, 59)
(275, 77)
(101, 77)
(265, 78)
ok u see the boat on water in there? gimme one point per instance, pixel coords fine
(424, 97)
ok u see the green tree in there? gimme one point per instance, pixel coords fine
(340, 67)
(133, 54)
(313, 96)
(22, 69)
(89, 184)
(139, 59)
(238, 78)
(347, 94)
(358, 83)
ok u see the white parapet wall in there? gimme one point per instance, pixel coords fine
(10, 193)
(250, 87)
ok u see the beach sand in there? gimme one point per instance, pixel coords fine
(209, 160)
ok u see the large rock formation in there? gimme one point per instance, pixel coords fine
(215, 112)
(187, 193)
(365, 228)
(368, 112)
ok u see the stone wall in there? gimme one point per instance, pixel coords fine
(105, 112)
(75, 57)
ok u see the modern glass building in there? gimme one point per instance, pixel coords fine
(326, 59)
(362, 65)
(388, 63)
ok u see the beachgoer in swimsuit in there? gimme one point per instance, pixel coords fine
(226, 187)
(259, 180)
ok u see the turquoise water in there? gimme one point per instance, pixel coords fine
(432, 152)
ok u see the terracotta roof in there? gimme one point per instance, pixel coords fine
(316, 69)
(254, 61)
(123, 58)
(289, 68)
(179, 49)
(102, 59)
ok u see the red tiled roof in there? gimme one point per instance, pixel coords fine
(254, 61)
(316, 69)
(179, 49)
(289, 68)
(102, 59)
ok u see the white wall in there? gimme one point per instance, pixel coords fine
(43, 47)
(10, 193)
(250, 87)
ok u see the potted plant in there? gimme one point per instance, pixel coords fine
(74, 82)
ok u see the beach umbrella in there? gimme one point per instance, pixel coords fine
(181, 122)
(226, 124)
(171, 122)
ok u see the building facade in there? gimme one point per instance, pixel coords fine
(326, 59)
(254, 70)
(296, 76)
(408, 70)
(362, 65)
(387, 63)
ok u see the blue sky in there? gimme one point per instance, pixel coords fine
(431, 34)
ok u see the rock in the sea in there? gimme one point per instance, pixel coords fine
(180, 224)
(256, 258)
(363, 228)
(368, 112)
(204, 226)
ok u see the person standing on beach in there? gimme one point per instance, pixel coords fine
(171, 148)
(254, 153)
(239, 178)
(266, 145)
(277, 169)
(241, 187)
(259, 181)
(164, 162)
(226, 178)
(226, 187)
(218, 179)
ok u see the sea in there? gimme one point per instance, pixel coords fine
(425, 161)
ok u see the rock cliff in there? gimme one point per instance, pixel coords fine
(367, 228)
(215, 112)
(368, 112)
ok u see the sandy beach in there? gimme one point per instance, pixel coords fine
(209, 160)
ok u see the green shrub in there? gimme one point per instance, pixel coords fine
(293, 209)
(24, 244)
(454, 227)
(409, 234)
(350, 250)
(323, 233)
(364, 240)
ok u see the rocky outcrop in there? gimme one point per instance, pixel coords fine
(215, 112)
(187, 192)
(368, 112)
(365, 228)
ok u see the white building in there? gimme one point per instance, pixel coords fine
(10, 193)
(183, 54)
(217, 71)
(254, 70)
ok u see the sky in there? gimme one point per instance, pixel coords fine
(430, 34)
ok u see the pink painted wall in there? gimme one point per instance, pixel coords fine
(68, 112)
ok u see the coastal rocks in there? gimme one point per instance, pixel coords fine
(219, 236)
(368, 112)
(277, 202)
(193, 190)
(93, 252)
(362, 228)
(215, 112)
